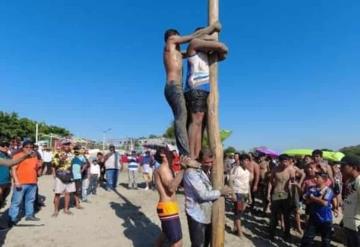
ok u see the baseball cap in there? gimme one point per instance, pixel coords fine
(27, 142)
(351, 160)
(65, 141)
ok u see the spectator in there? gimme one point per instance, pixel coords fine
(176, 166)
(63, 177)
(47, 158)
(85, 175)
(278, 194)
(317, 156)
(5, 162)
(319, 201)
(167, 207)
(351, 214)
(112, 166)
(94, 176)
(199, 196)
(133, 167)
(240, 183)
(77, 164)
(147, 170)
(25, 179)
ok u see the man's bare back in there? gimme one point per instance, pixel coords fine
(164, 174)
(173, 63)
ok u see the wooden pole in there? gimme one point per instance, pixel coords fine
(218, 209)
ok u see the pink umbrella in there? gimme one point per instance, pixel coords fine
(267, 151)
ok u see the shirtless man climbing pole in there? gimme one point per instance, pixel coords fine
(167, 208)
(173, 89)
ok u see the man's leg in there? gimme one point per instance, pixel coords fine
(56, 205)
(67, 202)
(30, 195)
(84, 190)
(116, 176)
(91, 184)
(208, 231)
(195, 132)
(309, 235)
(175, 97)
(129, 179)
(352, 238)
(273, 218)
(4, 192)
(95, 184)
(109, 178)
(135, 177)
(286, 211)
(16, 200)
(197, 232)
(326, 231)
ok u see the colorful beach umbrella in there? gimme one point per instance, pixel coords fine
(328, 155)
(267, 151)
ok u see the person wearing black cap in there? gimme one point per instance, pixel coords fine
(351, 214)
(278, 193)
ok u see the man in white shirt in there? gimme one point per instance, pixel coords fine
(47, 158)
(94, 176)
(240, 183)
(351, 214)
(112, 166)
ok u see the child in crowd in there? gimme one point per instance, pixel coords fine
(319, 200)
(94, 176)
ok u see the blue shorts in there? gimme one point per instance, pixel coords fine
(172, 229)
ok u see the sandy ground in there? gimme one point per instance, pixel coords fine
(122, 218)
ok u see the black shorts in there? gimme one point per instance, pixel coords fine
(196, 100)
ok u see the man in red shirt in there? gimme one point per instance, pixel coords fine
(25, 184)
(176, 166)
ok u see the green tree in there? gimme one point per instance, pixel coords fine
(11, 125)
(353, 150)
(229, 149)
(170, 132)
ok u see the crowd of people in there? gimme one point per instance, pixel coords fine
(303, 192)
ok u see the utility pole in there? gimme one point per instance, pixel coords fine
(104, 137)
(36, 133)
(218, 208)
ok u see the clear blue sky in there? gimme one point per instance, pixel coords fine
(292, 78)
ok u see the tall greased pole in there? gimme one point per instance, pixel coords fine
(218, 209)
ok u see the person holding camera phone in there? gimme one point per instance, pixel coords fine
(25, 177)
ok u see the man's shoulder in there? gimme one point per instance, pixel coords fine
(191, 173)
(357, 183)
(18, 155)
